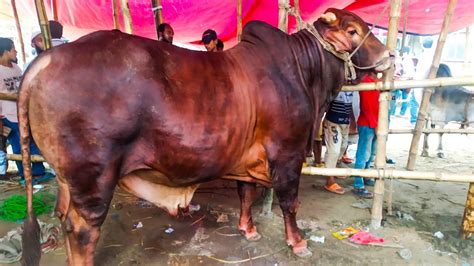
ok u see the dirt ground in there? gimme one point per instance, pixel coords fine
(421, 208)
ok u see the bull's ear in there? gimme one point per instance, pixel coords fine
(328, 17)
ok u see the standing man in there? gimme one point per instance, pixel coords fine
(10, 76)
(336, 135)
(209, 39)
(366, 126)
(165, 33)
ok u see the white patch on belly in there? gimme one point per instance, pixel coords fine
(165, 197)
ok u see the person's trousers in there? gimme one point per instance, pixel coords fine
(364, 154)
(336, 138)
(14, 139)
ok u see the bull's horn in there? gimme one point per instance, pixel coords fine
(328, 17)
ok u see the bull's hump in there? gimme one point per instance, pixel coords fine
(261, 31)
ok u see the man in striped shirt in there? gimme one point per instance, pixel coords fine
(336, 134)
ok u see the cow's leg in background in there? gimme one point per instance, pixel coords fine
(439, 151)
(247, 193)
(426, 146)
(285, 171)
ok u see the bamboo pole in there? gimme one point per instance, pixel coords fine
(468, 218)
(44, 24)
(157, 14)
(115, 14)
(422, 113)
(283, 15)
(127, 18)
(406, 84)
(17, 157)
(390, 173)
(382, 126)
(239, 20)
(54, 6)
(405, 18)
(433, 131)
(20, 35)
(296, 3)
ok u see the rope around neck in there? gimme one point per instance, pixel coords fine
(349, 66)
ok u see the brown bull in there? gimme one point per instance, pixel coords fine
(114, 109)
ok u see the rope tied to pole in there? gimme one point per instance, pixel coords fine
(156, 8)
(349, 66)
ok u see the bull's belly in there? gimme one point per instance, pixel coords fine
(172, 193)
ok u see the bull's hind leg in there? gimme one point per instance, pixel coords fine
(247, 192)
(285, 171)
(82, 207)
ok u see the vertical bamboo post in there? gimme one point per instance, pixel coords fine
(468, 219)
(20, 35)
(296, 3)
(127, 18)
(382, 127)
(157, 14)
(283, 15)
(115, 14)
(282, 25)
(44, 24)
(239, 20)
(422, 113)
(405, 18)
(54, 6)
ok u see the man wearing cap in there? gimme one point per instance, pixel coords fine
(209, 39)
(165, 33)
(37, 42)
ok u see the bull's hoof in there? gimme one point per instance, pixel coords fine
(303, 253)
(424, 154)
(252, 237)
(441, 155)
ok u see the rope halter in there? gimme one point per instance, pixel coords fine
(349, 66)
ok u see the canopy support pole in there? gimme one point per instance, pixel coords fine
(127, 18)
(422, 113)
(382, 127)
(157, 14)
(115, 14)
(239, 20)
(18, 29)
(44, 24)
(54, 6)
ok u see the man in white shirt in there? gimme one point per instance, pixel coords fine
(10, 77)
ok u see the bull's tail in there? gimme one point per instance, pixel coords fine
(31, 230)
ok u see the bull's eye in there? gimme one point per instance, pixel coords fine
(352, 32)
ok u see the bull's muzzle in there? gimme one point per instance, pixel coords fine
(386, 61)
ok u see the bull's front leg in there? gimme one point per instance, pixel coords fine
(247, 193)
(285, 172)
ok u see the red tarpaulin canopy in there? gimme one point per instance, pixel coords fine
(190, 18)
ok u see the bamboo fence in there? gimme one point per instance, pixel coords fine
(390, 173)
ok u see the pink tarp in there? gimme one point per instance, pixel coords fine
(190, 18)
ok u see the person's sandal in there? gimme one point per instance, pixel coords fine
(335, 188)
(363, 193)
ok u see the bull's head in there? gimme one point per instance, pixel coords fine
(345, 31)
